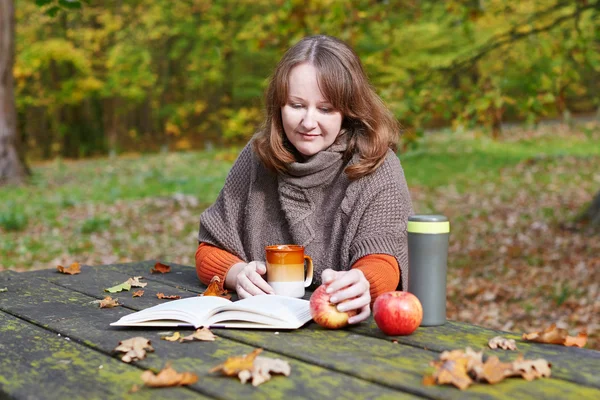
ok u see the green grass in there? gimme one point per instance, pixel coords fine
(463, 161)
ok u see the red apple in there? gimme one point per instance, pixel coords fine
(326, 313)
(397, 313)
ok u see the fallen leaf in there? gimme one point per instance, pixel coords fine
(135, 282)
(234, 365)
(167, 297)
(3, 290)
(138, 293)
(503, 343)
(202, 334)
(119, 288)
(160, 269)
(554, 335)
(216, 289)
(458, 367)
(168, 377)
(492, 371)
(72, 269)
(453, 372)
(531, 369)
(580, 340)
(134, 348)
(173, 338)
(262, 369)
(128, 284)
(109, 302)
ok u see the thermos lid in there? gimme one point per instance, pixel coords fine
(428, 224)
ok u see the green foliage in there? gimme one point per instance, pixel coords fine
(95, 224)
(13, 218)
(142, 74)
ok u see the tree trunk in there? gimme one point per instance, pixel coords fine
(12, 168)
(591, 216)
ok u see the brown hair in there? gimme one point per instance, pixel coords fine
(342, 79)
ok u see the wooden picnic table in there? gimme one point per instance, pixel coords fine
(55, 342)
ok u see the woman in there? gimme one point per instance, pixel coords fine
(321, 173)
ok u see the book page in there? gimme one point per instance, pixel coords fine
(282, 308)
(192, 310)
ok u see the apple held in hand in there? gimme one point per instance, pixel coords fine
(326, 313)
(397, 313)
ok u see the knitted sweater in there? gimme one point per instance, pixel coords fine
(381, 270)
(315, 205)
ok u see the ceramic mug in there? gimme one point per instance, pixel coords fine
(285, 269)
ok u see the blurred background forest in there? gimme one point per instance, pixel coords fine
(116, 76)
(130, 113)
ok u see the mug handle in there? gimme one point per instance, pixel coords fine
(309, 271)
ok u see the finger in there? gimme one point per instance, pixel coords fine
(355, 304)
(259, 282)
(327, 276)
(350, 292)
(242, 293)
(245, 282)
(364, 314)
(343, 280)
(261, 268)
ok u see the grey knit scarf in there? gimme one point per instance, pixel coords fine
(314, 205)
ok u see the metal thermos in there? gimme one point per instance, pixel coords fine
(427, 264)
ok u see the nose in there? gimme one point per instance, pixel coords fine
(309, 122)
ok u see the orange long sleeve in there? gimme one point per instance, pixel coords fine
(382, 272)
(211, 261)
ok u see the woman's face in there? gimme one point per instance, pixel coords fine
(310, 122)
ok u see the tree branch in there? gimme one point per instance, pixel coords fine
(513, 36)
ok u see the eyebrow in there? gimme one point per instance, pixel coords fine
(301, 99)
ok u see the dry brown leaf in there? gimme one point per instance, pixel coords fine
(168, 377)
(175, 337)
(216, 289)
(503, 343)
(492, 371)
(135, 282)
(234, 365)
(134, 348)
(531, 369)
(554, 335)
(202, 334)
(160, 269)
(109, 302)
(72, 269)
(579, 341)
(167, 297)
(138, 293)
(453, 372)
(262, 369)
(456, 367)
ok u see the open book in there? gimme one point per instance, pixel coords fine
(259, 312)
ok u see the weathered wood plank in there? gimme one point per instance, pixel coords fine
(73, 315)
(397, 366)
(394, 365)
(36, 363)
(570, 363)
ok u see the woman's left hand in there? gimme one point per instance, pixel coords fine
(350, 288)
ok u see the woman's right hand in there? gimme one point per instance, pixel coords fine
(247, 279)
